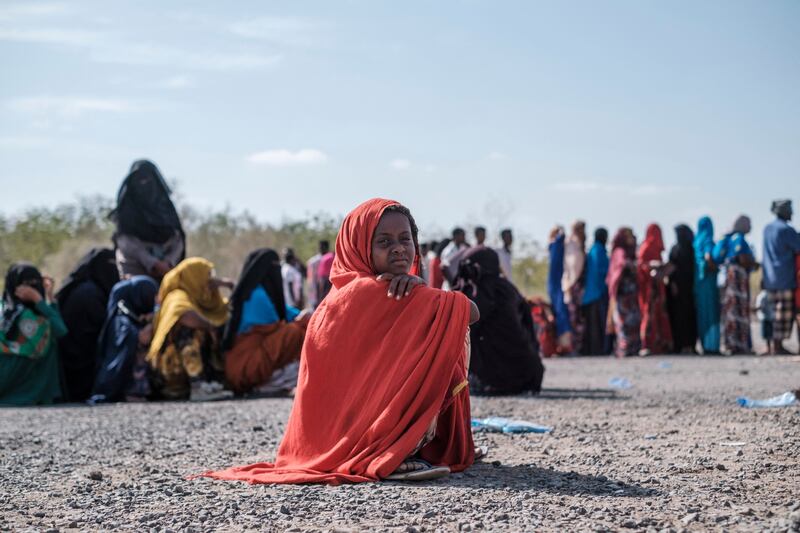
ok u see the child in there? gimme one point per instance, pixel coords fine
(382, 384)
(763, 311)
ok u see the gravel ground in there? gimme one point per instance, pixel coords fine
(658, 456)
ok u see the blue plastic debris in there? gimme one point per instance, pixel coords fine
(784, 400)
(508, 425)
(619, 383)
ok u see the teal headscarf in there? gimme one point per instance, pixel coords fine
(703, 244)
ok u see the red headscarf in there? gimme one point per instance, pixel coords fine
(653, 245)
(374, 373)
(621, 254)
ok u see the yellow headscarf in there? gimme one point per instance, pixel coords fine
(185, 288)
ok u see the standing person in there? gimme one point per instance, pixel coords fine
(480, 235)
(781, 243)
(382, 392)
(573, 280)
(435, 265)
(264, 336)
(82, 301)
(655, 332)
(504, 254)
(30, 328)
(324, 272)
(706, 292)
(624, 315)
(595, 296)
(292, 280)
(734, 252)
(185, 354)
(315, 288)
(555, 273)
(680, 292)
(505, 353)
(451, 255)
(149, 238)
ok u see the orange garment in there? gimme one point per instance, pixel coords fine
(255, 355)
(375, 372)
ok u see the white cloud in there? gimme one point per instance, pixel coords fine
(31, 9)
(400, 164)
(69, 107)
(290, 31)
(497, 156)
(176, 82)
(285, 158)
(50, 36)
(648, 189)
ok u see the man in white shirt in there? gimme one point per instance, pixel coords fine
(504, 253)
(292, 281)
(451, 256)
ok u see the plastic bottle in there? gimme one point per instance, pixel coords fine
(784, 400)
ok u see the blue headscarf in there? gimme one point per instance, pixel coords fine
(554, 290)
(119, 339)
(703, 244)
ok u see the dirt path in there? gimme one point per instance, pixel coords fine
(659, 456)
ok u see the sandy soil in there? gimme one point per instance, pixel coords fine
(672, 453)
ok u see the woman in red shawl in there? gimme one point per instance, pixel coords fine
(382, 389)
(656, 333)
(624, 317)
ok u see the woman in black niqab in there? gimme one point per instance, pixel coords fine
(82, 301)
(18, 274)
(680, 292)
(261, 267)
(505, 353)
(149, 237)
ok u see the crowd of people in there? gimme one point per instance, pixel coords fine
(142, 321)
(382, 339)
(697, 299)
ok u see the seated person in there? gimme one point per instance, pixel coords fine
(264, 335)
(505, 353)
(30, 327)
(82, 301)
(149, 237)
(185, 355)
(124, 342)
(382, 391)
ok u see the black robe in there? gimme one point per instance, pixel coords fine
(680, 292)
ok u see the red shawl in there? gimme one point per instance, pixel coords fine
(621, 254)
(374, 373)
(650, 250)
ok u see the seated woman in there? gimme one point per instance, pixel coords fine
(185, 355)
(264, 336)
(31, 325)
(82, 301)
(149, 238)
(382, 391)
(505, 353)
(124, 342)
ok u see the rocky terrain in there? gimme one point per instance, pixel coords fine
(673, 453)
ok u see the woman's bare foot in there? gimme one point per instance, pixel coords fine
(415, 469)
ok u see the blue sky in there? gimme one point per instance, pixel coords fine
(516, 114)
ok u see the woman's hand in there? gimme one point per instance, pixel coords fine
(474, 313)
(216, 283)
(49, 287)
(401, 285)
(28, 294)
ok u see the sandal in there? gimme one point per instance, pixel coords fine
(427, 471)
(480, 452)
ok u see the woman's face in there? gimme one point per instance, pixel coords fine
(393, 248)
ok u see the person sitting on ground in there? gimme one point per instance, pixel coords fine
(82, 302)
(185, 355)
(264, 336)
(149, 238)
(382, 392)
(30, 327)
(124, 342)
(505, 353)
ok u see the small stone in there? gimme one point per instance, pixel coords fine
(258, 428)
(73, 524)
(39, 514)
(496, 463)
(95, 475)
(429, 514)
(721, 466)
(688, 519)
(284, 510)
